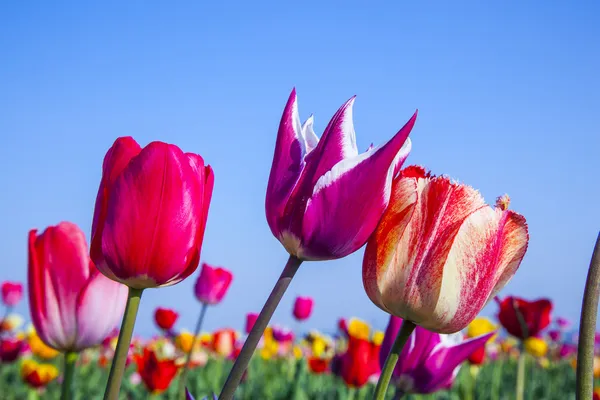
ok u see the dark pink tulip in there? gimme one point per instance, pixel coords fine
(324, 199)
(303, 308)
(563, 323)
(554, 335)
(250, 321)
(212, 284)
(73, 306)
(12, 292)
(150, 213)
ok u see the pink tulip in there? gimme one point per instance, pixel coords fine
(12, 292)
(324, 199)
(250, 321)
(439, 253)
(303, 308)
(73, 306)
(212, 284)
(150, 213)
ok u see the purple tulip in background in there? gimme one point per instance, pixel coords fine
(429, 361)
(303, 308)
(324, 199)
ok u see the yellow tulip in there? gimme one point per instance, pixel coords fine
(378, 338)
(184, 341)
(40, 349)
(536, 346)
(38, 375)
(297, 352)
(358, 329)
(480, 326)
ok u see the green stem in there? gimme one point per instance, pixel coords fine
(235, 376)
(587, 328)
(390, 362)
(118, 363)
(521, 375)
(68, 374)
(188, 360)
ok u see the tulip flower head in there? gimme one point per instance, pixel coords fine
(223, 342)
(250, 321)
(439, 253)
(156, 373)
(150, 213)
(324, 198)
(536, 315)
(303, 308)
(11, 323)
(73, 306)
(536, 346)
(429, 362)
(165, 318)
(12, 292)
(212, 284)
(38, 375)
(10, 349)
(478, 327)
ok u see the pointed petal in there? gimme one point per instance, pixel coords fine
(153, 217)
(310, 138)
(422, 343)
(100, 307)
(442, 363)
(288, 162)
(348, 201)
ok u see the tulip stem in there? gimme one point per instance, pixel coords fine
(235, 376)
(390, 362)
(521, 375)
(587, 328)
(188, 360)
(117, 369)
(68, 374)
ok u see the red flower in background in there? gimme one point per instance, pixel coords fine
(10, 350)
(478, 356)
(359, 363)
(536, 315)
(165, 318)
(318, 365)
(156, 374)
(12, 292)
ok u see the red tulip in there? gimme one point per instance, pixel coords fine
(250, 321)
(165, 318)
(318, 365)
(223, 342)
(439, 253)
(10, 350)
(150, 213)
(212, 284)
(536, 315)
(303, 308)
(360, 362)
(156, 374)
(478, 356)
(12, 292)
(73, 306)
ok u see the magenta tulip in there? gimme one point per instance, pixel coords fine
(250, 321)
(73, 306)
(324, 199)
(12, 292)
(150, 213)
(303, 308)
(212, 284)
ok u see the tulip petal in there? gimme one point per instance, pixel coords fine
(115, 161)
(310, 138)
(288, 162)
(59, 267)
(99, 309)
(152, 220)
(348, 201)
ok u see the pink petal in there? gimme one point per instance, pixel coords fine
(153, 219)
(100, 307)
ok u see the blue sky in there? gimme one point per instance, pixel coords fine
(508, 96)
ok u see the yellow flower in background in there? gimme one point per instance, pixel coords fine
(544, 362)
(358, 329)
(318, 346)
(38, 375)
(270, 349)
(206, 338)
(596, 367)
(508, 344)
(40, 349)
(184, 341)
(480, 326)
(378, 338)
(536, 346)
(297, 351)
(11, 323)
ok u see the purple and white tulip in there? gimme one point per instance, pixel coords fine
(324, 199)
(429, 361)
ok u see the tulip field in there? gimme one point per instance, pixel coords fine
(435, 253)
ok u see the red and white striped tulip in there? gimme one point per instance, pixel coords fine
(439, 253)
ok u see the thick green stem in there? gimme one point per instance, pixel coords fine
(587, 328)
(235, 376)
(68, 374)
(521, 375)
(118, 363)
(390, 362)
(188, 360)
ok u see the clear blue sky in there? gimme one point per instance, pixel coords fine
(508, 94)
